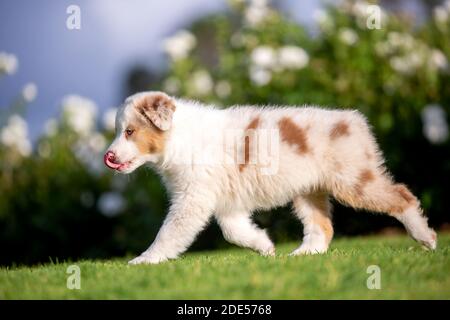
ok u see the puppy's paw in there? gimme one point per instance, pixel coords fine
(264, 246)
(306, 249)
(147, 259)
(268, 252)
(429, 242)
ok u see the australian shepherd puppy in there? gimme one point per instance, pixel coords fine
(227, 163)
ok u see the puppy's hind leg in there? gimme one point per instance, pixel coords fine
(237, 228)
(314, 210)
(377, 192)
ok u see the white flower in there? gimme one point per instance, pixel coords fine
(202, 83)
(223, 89)
(255, 14)
(348, 36)
(97, 142)
(259, 3)
(8, 63)
(264, 57)
(111, 204)
(44, 149)
(406, 54)
(171, 85)
(435, 127)
(51, 127)
(80, 113)
(395, 43)
(179, 45)
(260, 76)
(407, 64)
(323, 19)
(359, 8)
(292, 57)
(29, 92)
(320, 16)
(15, 135)
(401, 40)
(440, 15)
(89, 150)
(365, 12)
(400, 65)
(438, 60)
(109, 119)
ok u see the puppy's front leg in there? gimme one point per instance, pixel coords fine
(186, 218)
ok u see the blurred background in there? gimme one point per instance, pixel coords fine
(66, 65)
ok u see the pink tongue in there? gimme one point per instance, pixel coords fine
(112, 165)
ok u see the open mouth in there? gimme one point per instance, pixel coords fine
(110, 163)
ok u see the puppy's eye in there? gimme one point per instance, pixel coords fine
(129, 132)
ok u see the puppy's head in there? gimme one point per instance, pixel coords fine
(141, 127)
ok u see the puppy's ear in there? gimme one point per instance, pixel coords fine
(157, 108)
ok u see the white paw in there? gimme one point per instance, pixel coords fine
(268, 252)
(306, 248)
(429, 241)
(147, 259)
(417, 227)
(264, 246)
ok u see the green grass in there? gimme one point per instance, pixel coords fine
(407, 272)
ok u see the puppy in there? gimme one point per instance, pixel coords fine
(229, 163)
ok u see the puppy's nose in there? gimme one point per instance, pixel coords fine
(110, 156)
(110, 159)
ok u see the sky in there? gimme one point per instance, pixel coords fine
(115, 35)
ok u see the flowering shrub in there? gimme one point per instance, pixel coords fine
(397, 75)
(58, 200)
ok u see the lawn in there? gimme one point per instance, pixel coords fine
(407, 272)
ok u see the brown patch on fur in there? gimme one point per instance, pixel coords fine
(375, 193)
(251, 126)
(364, 178)
(157, 109)
(405, 193)
(404, 199)
(340, 129)
(148, 138)
(294, 135)
(155, 101)
(321, 214)
(325, 224)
